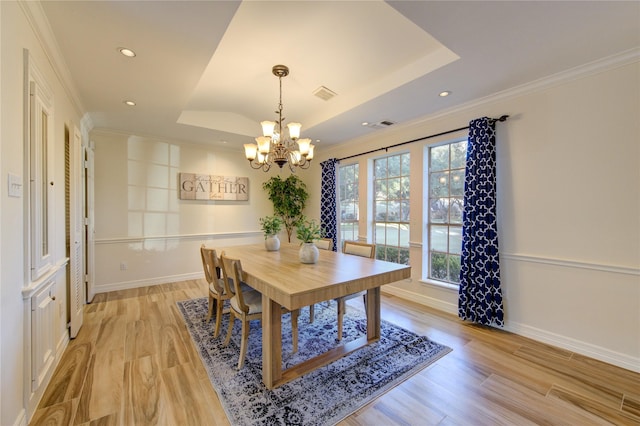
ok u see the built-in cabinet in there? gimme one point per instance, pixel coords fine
(43, 346)
(45, 266)
(44, 336)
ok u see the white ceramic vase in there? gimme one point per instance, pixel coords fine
(272, 243)
(308, 253)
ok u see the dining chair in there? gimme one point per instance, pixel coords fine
(219, 289)
(358, 249)
(246, 305)
(324, 243)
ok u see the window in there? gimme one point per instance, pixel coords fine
(444, 228)
(391, 208)
(349, 210)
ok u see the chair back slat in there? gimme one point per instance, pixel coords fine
(359, 249)
(232, 269)
(324, 243)
(211, 266)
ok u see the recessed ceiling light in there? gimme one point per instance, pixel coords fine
(127, 52)
(444, 94)
(365, 123)
(130, 103)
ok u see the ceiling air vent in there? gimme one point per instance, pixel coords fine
(324, 93)
(381, 124)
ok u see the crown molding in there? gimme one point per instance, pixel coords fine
(591, 68)
(39, 23)
(607, 63)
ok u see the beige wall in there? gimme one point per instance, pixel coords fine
(568, 208)
(568, 201)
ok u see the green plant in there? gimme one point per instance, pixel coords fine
(270, 225)
(289, 197)
(308, 231)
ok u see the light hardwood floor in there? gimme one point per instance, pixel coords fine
(133, 363)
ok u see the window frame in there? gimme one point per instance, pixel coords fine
(428, 197)
(354, 222)
(385, 251)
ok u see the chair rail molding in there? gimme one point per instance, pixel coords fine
(215, 236)
(568, 263)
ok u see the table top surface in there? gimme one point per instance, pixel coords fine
(283, 278)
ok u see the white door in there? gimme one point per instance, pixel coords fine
(76, 227)
(89, 230)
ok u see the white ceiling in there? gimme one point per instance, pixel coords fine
(203, 68)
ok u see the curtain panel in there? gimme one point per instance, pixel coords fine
(480, 294)
(328, 201)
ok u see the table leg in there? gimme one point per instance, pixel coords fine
(272, 374)
(271, 342)
(373, 314)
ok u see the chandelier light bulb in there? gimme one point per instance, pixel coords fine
(303, 146)
(263, 144)
(294, 130)
(296, 157)
(250, 151)
(268, 128)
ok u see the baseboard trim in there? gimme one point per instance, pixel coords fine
(21, 420)
(583, 348)
(126, 285)
(421, 299)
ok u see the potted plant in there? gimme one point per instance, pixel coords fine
(307, 232)
(289, 197)
(270, 226)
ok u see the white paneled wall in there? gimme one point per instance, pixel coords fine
(144, 233)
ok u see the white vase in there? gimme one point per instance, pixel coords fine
(308, 253)
(272, 243)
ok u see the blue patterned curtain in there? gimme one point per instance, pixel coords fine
(328, 204)
(480, 296)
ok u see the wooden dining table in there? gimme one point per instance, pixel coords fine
(284, 281)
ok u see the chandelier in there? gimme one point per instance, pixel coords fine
(273, 146)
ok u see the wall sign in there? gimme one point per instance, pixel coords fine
(208, 187)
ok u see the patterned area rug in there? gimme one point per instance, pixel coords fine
(321, 397)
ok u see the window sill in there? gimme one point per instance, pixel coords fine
(440, 284)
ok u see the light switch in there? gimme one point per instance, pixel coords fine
(15, 185)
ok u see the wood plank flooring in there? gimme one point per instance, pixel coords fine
(133, 363)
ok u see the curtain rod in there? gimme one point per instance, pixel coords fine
(502, 118)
